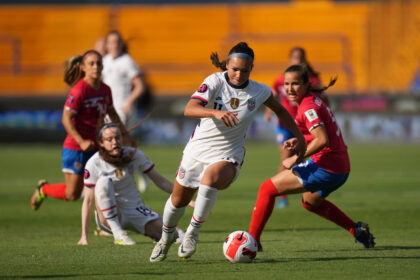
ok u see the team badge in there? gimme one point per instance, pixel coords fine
(311, 115)
(203, 88)
(181, 173)
(251, 104)
(119, 173)
(86, 174)
(234, 103)
(70, 99)
(77, 165)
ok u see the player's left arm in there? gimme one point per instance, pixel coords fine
(88, 202)
(290, 124)
(138, 88)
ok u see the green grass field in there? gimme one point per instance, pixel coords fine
(383, 190)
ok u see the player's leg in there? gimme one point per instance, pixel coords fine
(105, 199)
(282, 134)
(217, 176)
(172, 213)
(285, 182)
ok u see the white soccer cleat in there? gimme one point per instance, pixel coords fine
(188, 246)
(124, 239)
(181, 235)
(161, 248)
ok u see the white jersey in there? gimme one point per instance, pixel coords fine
(117, 74)
(212, 139)
(126, 193)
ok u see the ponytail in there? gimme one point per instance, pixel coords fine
(73, 70)
(303, 74)
(321, 90)
(216, 62)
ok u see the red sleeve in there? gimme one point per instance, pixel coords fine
(310, 115)
(74, 100)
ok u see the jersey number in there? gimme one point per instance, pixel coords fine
(217, 106)
(338, 132)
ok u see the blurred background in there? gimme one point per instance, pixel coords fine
(373, 47)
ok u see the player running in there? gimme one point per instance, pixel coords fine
(109, 177)
(226, 104)
(327, 169)
(88, 102)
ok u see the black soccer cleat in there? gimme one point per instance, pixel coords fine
(362, 235)
(260, 248)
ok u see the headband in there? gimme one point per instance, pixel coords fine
(241, 55)
(105, 126)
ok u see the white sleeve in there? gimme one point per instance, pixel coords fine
(132, 68)
(207, 89)
(91, 173)
(143, 162)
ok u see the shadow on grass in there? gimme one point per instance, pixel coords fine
(377, 248)
(278, 230)
(328, 259)
(52, 276)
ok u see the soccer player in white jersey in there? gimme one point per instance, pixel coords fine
(109, 177)
(225, 103)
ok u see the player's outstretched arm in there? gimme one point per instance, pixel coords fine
(87, 207)
(290, 124)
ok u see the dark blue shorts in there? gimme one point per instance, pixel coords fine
(317, 179)
(282, 134)
(75, 161)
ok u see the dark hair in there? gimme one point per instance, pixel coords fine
(73, 67)
(120, 160)
(241, 47)
(304, 60)
(122, 45)
(303, 74)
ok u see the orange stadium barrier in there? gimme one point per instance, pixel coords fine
(372, 46)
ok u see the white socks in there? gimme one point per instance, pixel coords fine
(171, 217)
(204, 203)
(105, 198)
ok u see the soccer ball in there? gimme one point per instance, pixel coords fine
(240, 247)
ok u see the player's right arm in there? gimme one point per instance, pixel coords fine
(195, 109)
(68, 115)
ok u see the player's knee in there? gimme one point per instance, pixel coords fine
(268, 188)
(307, 205)
(72, 197)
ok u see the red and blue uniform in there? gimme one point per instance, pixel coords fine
(88, 104)
(328, 169)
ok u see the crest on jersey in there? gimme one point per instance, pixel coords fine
(119, 173)
(181, 172)
(234, 103)
(203, 88)
(311, 115)
(251, 104)
(70, 99)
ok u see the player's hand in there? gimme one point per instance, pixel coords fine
(227, 117)
(82, 241)
(289, 162)
(290, 144)
(87, 145)
(267, 115)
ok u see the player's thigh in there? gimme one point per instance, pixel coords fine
(286, 182)
(219, 175)
(181, 195)
(74, 185)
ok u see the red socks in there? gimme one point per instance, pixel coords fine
(56, 190)
(329, 211)
(263, 208)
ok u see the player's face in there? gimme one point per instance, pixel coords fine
(112, 141)
(295, 57)
(294, 86)
(92, 66)
(238, 70)
(113, 44)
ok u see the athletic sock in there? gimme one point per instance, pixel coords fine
(105, 198)
(57, 191)
(263, 208)
(171, 217)
(204, 203)
(329, 211)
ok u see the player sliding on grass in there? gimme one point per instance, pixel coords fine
(88, 102)
(214, 154)
(109, 176)
(326, 170)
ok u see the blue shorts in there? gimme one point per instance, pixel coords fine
(75, 161)
(282, 134)
(317, 179)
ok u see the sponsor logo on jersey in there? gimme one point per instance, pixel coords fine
(234, 103)
(70, 99)
(251, 104)
(119, 173)
(181, 173)
(311, 115)
(86, 174)
(77, 165)
(203, 88)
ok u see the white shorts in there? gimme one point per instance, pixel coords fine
(191, 170)
(134, 219)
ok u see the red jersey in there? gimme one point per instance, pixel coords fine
(89, 104)
(313, 112)
(278, 88)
